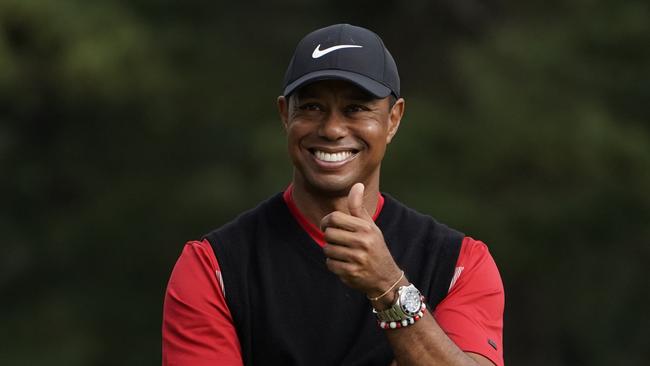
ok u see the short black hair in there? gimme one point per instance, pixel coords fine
(392, 99)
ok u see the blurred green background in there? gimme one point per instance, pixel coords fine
(129, 127)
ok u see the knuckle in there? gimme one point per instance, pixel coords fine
(329, 234)
(362, 258)
(351, 275)
(353, 257)
(366, 227)
(357, 275)
(364, 243)
(324, 222)
(354, 271)
(359, 256)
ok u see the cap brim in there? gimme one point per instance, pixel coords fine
(373, 87)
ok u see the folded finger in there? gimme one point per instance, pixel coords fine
(341, 220)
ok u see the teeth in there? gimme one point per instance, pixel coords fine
(340, 156)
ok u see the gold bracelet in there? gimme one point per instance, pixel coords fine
(387, 291)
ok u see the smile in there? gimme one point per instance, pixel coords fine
(333, 157)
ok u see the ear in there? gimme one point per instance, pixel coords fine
(283, 110)
(394, 118)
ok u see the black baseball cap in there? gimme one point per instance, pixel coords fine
(343, 52)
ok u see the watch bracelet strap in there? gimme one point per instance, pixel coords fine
(391, 314)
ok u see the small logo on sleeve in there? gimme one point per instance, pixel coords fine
(457, 273)
(492, 343)
(220, 278)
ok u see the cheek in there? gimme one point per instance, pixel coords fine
(293, 130)
(295, 133)
(373, 133)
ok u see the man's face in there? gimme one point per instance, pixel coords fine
(337, 135)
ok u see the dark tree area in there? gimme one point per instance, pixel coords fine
(129, 127)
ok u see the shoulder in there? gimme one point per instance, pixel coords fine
(195, 266)
(197, 252)
(476, 267)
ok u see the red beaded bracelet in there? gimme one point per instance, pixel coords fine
(405, 322)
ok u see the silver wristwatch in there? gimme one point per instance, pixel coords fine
(408, 303)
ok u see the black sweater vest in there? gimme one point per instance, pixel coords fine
(289, 309)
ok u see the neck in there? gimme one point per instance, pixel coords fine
(315, 204)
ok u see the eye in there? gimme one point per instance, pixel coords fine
(310, 107)
(354, 108)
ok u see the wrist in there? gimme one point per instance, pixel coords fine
(407, 308)
(387, 291)
(387, 301)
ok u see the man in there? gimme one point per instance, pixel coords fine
(331, 272)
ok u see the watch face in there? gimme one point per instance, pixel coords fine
(410, 300)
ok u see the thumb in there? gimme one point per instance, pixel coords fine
(355, 202)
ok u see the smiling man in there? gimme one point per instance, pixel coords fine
(332, 271)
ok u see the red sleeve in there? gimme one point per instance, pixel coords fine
(472, 312)
(197, 326)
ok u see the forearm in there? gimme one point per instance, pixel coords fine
(424, 342)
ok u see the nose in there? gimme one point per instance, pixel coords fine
(333, 127)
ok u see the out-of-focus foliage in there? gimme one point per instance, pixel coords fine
(127, 128)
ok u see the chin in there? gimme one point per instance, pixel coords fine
(330, 186)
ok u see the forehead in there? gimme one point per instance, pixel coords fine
(339, 88)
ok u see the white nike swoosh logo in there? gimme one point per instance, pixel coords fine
(318, 52)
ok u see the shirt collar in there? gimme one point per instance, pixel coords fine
(314, 232)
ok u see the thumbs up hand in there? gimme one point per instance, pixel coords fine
(356, 250)
(355, 203)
